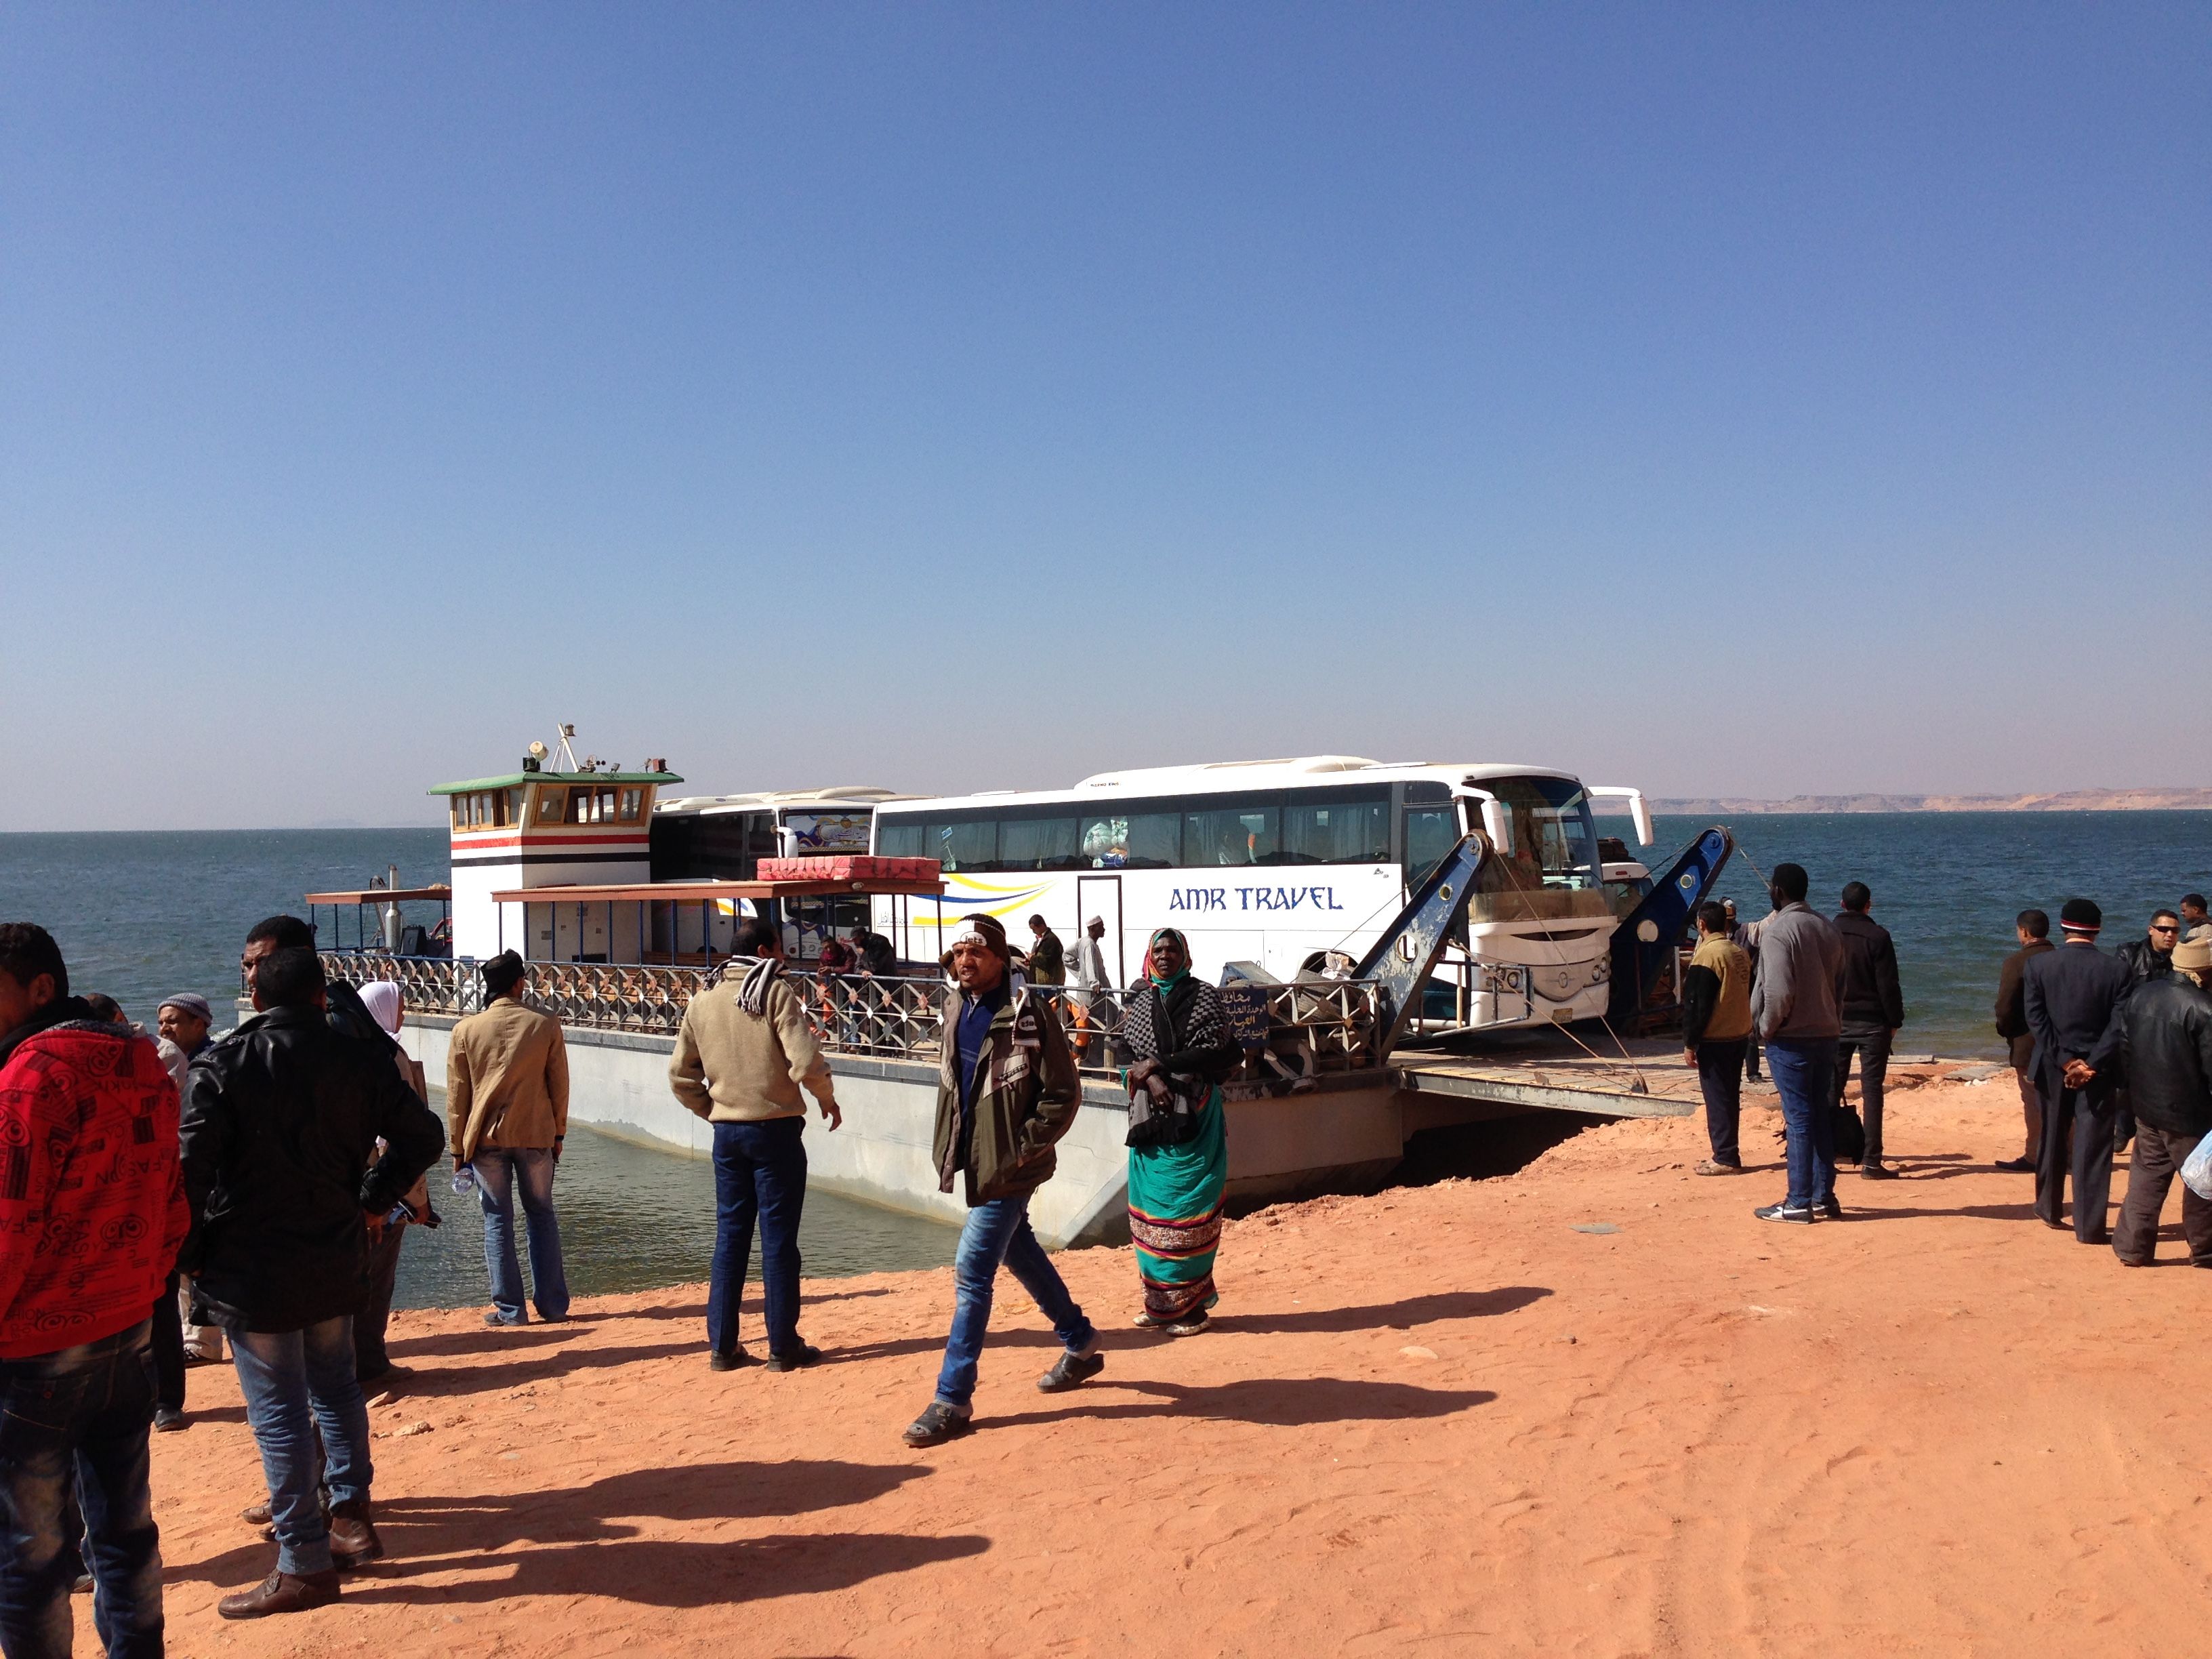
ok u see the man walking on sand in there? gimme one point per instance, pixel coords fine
(741, 1053)
(280, 1122)
(1794, 1011)
(93, 1203)
(2069, 996)
(1716, 1029)
(2032, 929)
(506, 1107)
(1871, 1010)
(1006, 1092)
(2165, 1049)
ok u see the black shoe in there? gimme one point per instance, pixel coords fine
(1877, 1172)
(938, 1423)
(2016, 1165)
(167, 1418)
(1830, 1208)
(729, 1361)
(499, 1320)
(1785, 1213)
(1071, 1371)
(797, 1360)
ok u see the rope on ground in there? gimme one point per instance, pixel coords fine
(1640, 1085)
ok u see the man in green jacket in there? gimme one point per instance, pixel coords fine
(1006, 1092)
(743, 1052)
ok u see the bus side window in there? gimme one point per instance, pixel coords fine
(1430, 834)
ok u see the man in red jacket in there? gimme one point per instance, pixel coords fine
(92, 1212)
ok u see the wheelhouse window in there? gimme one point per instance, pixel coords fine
(633, 805)
(552, 802)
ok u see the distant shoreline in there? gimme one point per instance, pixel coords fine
(2071, 801)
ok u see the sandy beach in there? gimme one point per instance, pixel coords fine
(1444, 1418)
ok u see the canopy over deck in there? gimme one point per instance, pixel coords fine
(380, 896)
(510, 780)
(696, 892)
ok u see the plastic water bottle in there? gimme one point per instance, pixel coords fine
(465, 1181)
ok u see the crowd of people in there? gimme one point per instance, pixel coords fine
(183, 1193)
(2108, 1049)
(188, 1191)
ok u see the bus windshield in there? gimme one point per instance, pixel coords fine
(1554, 839)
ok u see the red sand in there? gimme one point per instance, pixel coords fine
(1440, 1419)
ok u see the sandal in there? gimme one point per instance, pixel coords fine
(938, 1423)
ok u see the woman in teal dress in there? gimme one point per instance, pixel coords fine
(1180, 1048)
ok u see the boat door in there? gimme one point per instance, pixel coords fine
(1101, 897)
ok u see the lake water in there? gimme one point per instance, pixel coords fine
(1948, 884)
(143, 915)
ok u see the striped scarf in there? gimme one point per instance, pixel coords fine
(753, 989)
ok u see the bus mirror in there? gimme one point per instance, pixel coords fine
(1497, 825)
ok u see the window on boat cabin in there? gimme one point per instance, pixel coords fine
(591, 806)
(632, 803)
(552, 801)
(1250, 833)
(511, 807)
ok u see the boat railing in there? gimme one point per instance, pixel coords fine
(1313, 1027)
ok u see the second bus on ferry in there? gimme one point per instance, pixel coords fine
(1279, 864)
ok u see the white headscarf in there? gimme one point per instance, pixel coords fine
(381, 998)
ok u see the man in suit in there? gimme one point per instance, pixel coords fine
(2032, 929)
(2069, 996)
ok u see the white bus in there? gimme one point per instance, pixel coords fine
(1279, 863)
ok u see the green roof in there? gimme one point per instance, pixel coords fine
(513, 778)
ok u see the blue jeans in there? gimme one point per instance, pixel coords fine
(500, 1172)
(998, 1234)
(1805, 1077)
(1720, 1077)
(306, 1407)
(78, 1417)
(760, 1172)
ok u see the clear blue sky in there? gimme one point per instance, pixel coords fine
(1747, 400)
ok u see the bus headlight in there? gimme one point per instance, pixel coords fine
(1600, 971)
(1504, 980)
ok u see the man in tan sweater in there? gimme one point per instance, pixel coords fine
(506, 1107)
(743, 1050)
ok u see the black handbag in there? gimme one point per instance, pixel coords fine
(1174, 1122)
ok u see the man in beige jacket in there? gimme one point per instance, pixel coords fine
(507, 1107)
(743, 1050)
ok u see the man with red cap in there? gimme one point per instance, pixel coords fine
(2069, 996)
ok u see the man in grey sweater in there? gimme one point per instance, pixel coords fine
(1796, 1011)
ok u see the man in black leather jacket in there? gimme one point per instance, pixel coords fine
(2166, 1047)
(279, 1119)
(2151, 957)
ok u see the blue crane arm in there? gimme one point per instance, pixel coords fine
(1407, 952)
(1644, 944)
